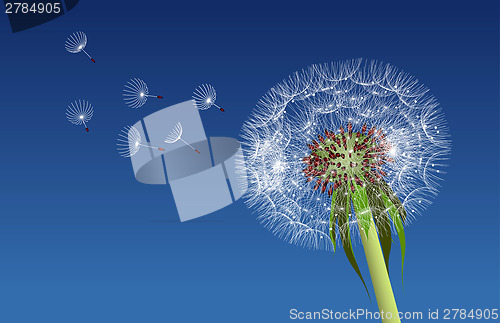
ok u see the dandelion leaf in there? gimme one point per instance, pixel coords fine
(342, 209)
(387, 190)
(398, 224)
(333, 221)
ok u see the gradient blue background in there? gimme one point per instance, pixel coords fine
(82, 241)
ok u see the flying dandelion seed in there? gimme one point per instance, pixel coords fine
(80, 112)
(136, 93)
(130, 141)
(345, 150)
(204, 97)
(76, 43)
(176, 134)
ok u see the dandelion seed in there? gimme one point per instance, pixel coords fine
(76, 43)
(136, 93)
(130, 141)
(80, 112)
(204, 97)
(176, 134)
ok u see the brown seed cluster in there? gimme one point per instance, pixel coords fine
(346, 158)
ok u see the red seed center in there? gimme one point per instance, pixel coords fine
(346, 158)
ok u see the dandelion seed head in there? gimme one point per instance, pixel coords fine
(340, 98)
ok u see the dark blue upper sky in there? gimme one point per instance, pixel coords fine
(82, 241)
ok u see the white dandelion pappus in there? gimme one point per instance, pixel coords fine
(80, 112)
(288, 120)
(204, 97)
(130, 141)
(76, 43)
(176, 135)
(136, 93)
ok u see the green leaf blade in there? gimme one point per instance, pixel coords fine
(398, 224)
(342, 209)
(389, 193)
(333, 222)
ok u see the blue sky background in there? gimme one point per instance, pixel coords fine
(82, 241)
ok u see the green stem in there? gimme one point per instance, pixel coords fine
(378, 272)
